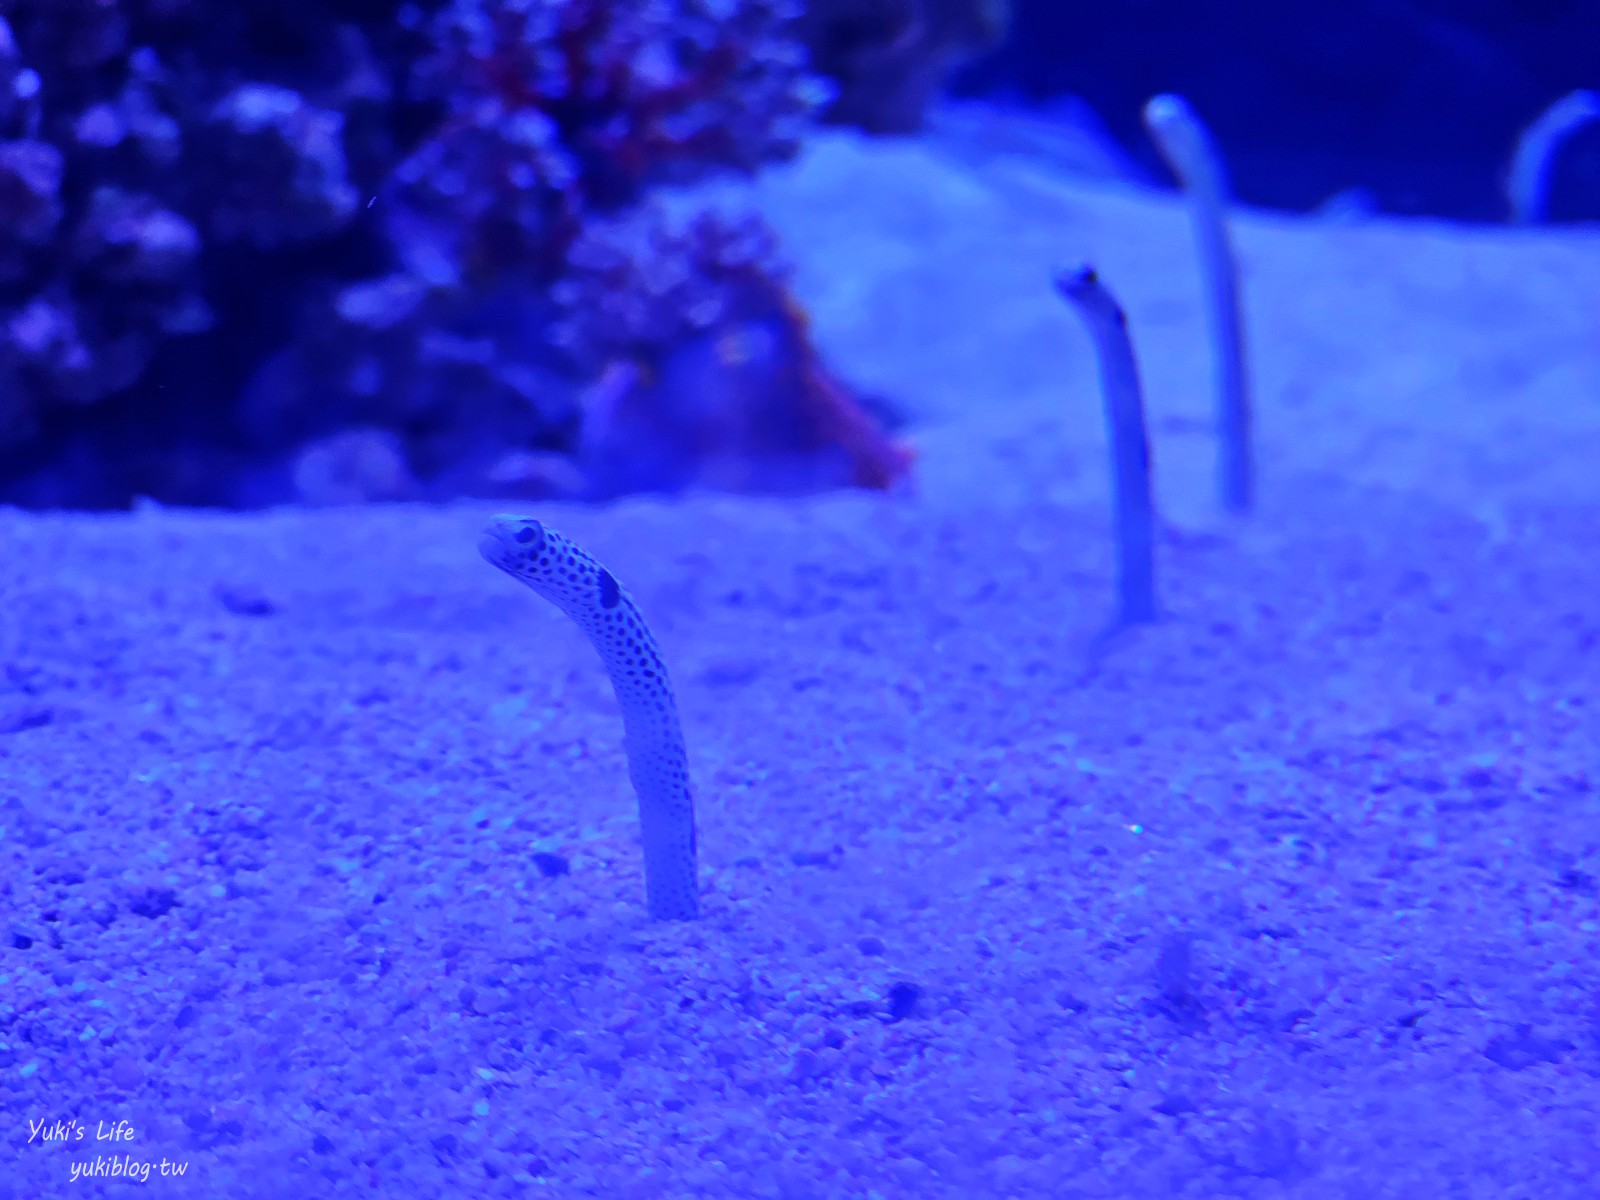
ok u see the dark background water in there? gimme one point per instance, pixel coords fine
(1418, 102)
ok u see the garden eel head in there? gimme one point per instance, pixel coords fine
(513, 544)
(1081, 287)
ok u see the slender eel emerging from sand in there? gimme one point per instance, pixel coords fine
(1528, 182)
(1190, 152)
(657, 764)
(1130, 443)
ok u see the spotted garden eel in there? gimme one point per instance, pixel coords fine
(1133, 511)
(584, 590)
(1186, 144)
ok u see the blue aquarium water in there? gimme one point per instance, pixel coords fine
(1024, 665)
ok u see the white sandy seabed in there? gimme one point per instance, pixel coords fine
(320, 870)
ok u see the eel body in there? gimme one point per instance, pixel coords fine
(1186, 144)
(1130, 442)
(1528, 182)
(657, 764)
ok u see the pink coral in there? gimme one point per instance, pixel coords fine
(555, 108)
(639, 89)
(709, 376)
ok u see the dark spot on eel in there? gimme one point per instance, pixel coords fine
(609, 592)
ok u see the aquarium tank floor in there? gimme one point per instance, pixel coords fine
(321, 869)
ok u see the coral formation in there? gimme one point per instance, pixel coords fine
(708, 372)
(98, 267)
(280, 167)
(638, 284)
(553, 109)
(122, 170)
(560, 122)
(374, 222)
(461, 377)
(640, 91)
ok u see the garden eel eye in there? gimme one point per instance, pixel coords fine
(531, 535)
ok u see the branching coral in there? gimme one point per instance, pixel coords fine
(279, 167)
(552, 108)
(710, 376)
(447, 163)
(558, 123)
(639, 284)
(492, 191)
(461, 377)
(117, 168)
(641, 91)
